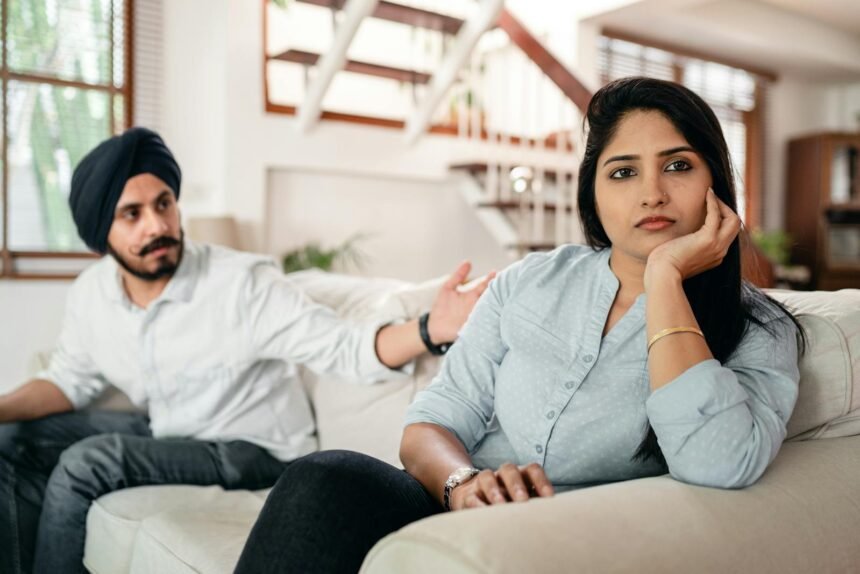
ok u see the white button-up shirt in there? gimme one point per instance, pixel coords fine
(214, 357)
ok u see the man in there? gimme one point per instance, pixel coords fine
(206, 338)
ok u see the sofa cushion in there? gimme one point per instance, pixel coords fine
(207, 538)
(115, 520)
(828, 405)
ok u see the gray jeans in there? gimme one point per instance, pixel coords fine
(52, 469)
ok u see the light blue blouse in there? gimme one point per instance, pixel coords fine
(532, 379)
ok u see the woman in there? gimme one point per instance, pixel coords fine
(642, 353)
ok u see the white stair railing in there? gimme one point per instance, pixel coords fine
(531, 178)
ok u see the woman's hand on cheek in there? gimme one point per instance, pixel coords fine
(696, 252)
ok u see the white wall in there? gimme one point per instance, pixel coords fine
(254, 141)
(32, 313)
(417, 229)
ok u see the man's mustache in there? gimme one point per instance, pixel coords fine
(156, 244)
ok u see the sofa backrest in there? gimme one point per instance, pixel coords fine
(828, 405)
(369, 418)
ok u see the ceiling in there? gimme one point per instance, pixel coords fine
(841, 14)
(814, 40)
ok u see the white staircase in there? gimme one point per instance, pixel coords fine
(468, 70)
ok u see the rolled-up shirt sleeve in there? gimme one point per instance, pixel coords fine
(285, 324)
(460, 398)
(71, 367)
(721, 425)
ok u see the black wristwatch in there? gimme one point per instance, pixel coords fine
(425, 336)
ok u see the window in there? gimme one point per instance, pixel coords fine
(735, 94)
(65, 87)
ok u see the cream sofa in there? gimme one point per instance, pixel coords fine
(802, 516)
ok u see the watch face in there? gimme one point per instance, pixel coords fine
(461, 474)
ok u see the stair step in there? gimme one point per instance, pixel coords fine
(402, 14)
(399, 74)
(479, 167)
(515, 205)
(544, 246)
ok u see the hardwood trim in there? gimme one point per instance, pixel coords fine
(479, 167)
(43, 79)
(54, 255)
(549, 65)
(356, 67)
(41, 277)
(111, 116)
(548, 246)
(402, 14)
(550, 142)
(805, 178)
(617, 34)
(529, 205)
(366, 120)
(850, 206)
(753, 176)
(265, 37)
(129, 63)
(279, 108)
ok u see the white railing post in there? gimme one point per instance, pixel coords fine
(492, 151)
(472, 94)
(561, 216)
(539, 183)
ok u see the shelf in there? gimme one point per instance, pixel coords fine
(853, 206)
(479, 167)
(516, 205)
(399, 74)
(533, 246)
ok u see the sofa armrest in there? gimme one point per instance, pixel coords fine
(802, 516)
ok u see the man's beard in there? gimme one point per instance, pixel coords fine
(166, 268)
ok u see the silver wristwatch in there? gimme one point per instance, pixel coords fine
(457, 478)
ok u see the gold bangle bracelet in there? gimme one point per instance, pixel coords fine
(672, 331)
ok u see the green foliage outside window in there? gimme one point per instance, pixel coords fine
(51, 127)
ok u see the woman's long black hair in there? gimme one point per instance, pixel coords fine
(723, 303)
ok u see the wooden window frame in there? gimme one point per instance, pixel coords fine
(9, 256)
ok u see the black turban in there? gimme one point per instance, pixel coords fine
(100, 177)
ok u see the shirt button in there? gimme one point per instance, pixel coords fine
(588, 358)
(550, 414)
(569, 385)
(538, 449)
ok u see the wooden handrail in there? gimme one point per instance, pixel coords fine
(549, 65)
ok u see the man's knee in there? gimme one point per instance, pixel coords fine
(90, 466)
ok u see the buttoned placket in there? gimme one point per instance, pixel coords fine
(576, 371)
(586, 358)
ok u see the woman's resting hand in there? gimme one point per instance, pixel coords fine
(509, 483)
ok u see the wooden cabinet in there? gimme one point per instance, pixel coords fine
(823, 208)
